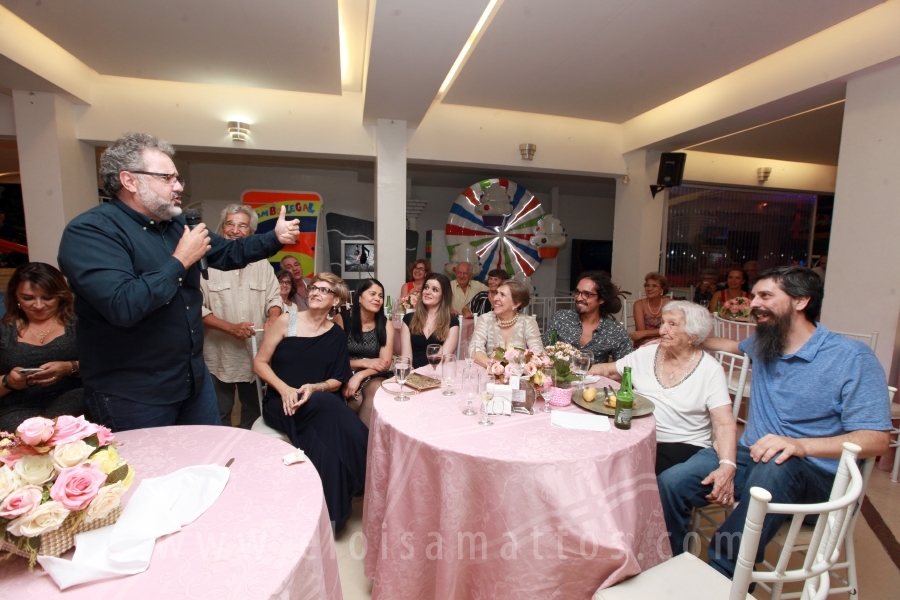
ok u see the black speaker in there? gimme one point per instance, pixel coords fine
(671, 168)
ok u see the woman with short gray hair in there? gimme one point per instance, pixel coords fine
(688, 388)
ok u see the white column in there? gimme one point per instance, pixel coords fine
(390, 204)
(862, 288)
(638, 222)
(58, 172)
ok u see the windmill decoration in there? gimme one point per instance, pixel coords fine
(505, 244)
(549, 236)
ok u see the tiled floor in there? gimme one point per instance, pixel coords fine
(879, 578)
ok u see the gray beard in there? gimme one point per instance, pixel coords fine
(156, 205)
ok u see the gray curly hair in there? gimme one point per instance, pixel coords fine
(127, 154)
(232, 209)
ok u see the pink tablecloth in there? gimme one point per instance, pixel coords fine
(516, 510)
(267, 536)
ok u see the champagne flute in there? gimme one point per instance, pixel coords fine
(433, 354)
(448, 373)
(582, 363)
(401, 372)
(486, 394)
(470, 379)
(547, 388)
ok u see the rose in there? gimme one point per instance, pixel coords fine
(496, 369)
(71, 454)
(35, 431)
(105, 436)
(46, 517)
(108, 498)
(511, 354)
(20, 502)
(413, 300)
(36, 470)
(9, 482)
(71, 429)
(530, 370)
(75, 487)
(108, 459)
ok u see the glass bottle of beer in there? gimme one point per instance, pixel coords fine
(624, 402)
(388, 308)
(553, 337)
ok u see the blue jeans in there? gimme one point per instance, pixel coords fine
(794, 481)
(122, 414)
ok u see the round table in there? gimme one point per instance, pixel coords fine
(268, 535)
(517, 510)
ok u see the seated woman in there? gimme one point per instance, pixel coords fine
(38, 358)
(418, 271)
(686, 384)
(505, 325)
(736, 280)
(482, 303)
(431, 323)
(370, 341)
(287, 289)
(646, 317)
(304, 360)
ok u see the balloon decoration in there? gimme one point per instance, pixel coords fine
(503, 246)
(549, 236)
(464, 253)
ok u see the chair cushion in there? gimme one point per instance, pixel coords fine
(259, 426)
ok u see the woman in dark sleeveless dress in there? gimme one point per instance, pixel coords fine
(38, 332)
(304, 360)
(432, 322)
(370, 341)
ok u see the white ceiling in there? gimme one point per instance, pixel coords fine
(273, 44)
(613, 60)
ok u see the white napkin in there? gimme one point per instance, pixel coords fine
(296, 456)
(568, 420)
(160, 506)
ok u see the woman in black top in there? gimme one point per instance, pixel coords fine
(370, 341)
(38, 332)
(431, 323)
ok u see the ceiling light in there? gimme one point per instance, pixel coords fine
(238, 130)
(488, 14)
(527, 151)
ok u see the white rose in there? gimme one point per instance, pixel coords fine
(36, 470)
(46, 517)
(9, 482)
(108, 498)
(71, 454)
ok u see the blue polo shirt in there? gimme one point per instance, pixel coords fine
(831, 386)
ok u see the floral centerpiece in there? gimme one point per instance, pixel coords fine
(506, 361)
(408, 302)
(736, 309)
(57, 478)
(560, 355)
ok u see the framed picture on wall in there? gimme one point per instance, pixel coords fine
(358, 259)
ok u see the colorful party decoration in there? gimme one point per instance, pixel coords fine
(549, 236)
(303, 206)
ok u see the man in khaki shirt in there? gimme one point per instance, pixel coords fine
(234, 304)
(464, 289)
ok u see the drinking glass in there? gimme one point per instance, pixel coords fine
(547, 388)
(401, 372)
(448, 373)
(486, 395)
(433, 354)
(469, 386)
(582, 364)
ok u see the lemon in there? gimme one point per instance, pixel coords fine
(589, 394)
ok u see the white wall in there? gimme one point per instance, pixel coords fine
(707, 167)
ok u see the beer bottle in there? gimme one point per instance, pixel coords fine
(388, 309)
(553, 337)
(624, 402)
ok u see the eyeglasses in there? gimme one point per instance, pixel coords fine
(583, 294)
(169, 178)
(314, 289)
(419, 269)
(287, 283)
(238, 226)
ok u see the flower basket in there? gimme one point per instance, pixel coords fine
(736, 309)
(62, 539)
(561, 396)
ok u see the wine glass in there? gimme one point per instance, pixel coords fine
(547, 388)
(486, 394)
(582, 364)
(448, 373)
(401, 372)
(470, 379)
(433, 354)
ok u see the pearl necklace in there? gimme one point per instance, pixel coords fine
(507, 324)
(659, 308)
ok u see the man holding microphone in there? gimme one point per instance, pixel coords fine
(132, 264)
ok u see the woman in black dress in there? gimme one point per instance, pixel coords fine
(432, 322)
(370, 342)
(38, 332)
(304, 360)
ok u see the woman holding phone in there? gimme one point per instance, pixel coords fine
(38, 359)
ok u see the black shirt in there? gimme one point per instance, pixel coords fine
(139, 331)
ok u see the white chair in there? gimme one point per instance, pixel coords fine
(895, 432)
(259, 425)
(627, 316)
(869, 339)
(733, 330)
(688, 577)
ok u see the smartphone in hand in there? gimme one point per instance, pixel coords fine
(29, 371)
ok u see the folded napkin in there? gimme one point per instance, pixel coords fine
(296, 456)
(568, 420)
(159, 506)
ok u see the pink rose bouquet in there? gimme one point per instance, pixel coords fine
(409, 302)
(55, 471)
(736, 309)
(527, 364)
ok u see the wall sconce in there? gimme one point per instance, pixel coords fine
(239, 131)
(763, 173)
(527, 151)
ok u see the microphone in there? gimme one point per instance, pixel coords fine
(192, 216)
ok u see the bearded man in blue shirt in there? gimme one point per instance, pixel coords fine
(133, 265)
(811, 391)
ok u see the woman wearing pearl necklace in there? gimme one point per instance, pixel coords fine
(506, 325)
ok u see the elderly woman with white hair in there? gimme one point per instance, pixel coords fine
(689, 390)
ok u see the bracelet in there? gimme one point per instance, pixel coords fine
(74, 367)
(3, 383)
(725, 461)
